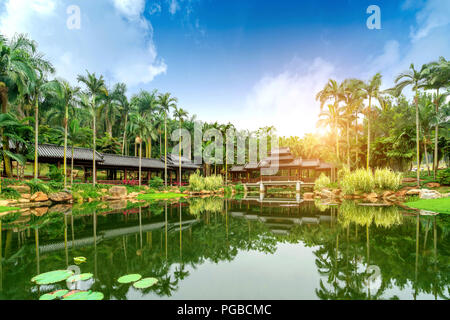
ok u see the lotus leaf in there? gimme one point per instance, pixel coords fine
(48, 296)
(84, 295)
(145, 283)
(129, 278)
(80, 277)
(52, 277)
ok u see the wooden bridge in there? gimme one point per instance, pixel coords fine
(274, 181)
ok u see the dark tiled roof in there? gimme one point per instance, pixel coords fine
(250, 166)
(310, 163)
(280, 151)
(57, 152)
(114, 160)
(237, 169)
(324, 166)
(173, 161)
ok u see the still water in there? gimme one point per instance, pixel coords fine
(213, 248)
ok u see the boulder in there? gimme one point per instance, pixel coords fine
(387, 194)
(308, 196)
(118, 204)
(372, 195)
(38, 212)
(429, 194)
(61, 197)
(133, 195)
(407, 180)
(432, 185)
(26, 196)
(326, 194)
(413, 192)
(21, 200)
(21, 189)
(39, 197)
(118, 191)
(61, 208)
(337, 192)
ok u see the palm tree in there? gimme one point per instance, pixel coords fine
(95, 87)
(120, 90)
(16, 70)
(333, 118)
(166, 102)
(180, 114)
(76, 136)
(333, 91)
(67, 95)
(147, 105)
(437, 76)
(371, 91)
(416, 79)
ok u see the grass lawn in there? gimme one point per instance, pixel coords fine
(157, 196)
(441, 205)
(5, 209)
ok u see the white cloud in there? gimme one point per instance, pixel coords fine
(287, 100)
(435, 14)
(110, 42)
(173, 6)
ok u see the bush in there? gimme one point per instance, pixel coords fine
(386, 179)
(156, 183)
(444, 176)
(55, 174)
(199, 183)
(37, 185)
(239, 188)
(322, 182)
(8, 193)
(358, 181)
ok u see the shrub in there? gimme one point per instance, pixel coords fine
(196, 182)
(55, 174)
(156, 183)
(444, 176)
(55, 186)
(213, 182)
(37, 185)
(358, 181)
(386, 179)
(239, 188)
(322, 182)
(8, 193)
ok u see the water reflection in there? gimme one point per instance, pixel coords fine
(197, 247)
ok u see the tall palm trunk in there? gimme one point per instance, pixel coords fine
(426, 154)
(140, 162)
(179, 157)
(94, 144)
(436, 138)
(165, 150)
(36, 138)
(348, 145)
(416, 102)
(124, 134)
(356, 141)
(71, 168)
(5, 140)
(368, 132)
(66, 119)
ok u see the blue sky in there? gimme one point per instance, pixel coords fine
(251, 62)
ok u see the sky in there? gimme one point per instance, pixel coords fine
(250, 62)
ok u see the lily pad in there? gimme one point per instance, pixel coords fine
(145, 283)
(129, 278)
(84, 295)
(79, 260)
(80, 277)
(52, 277)
(48, 296)
(60, 293)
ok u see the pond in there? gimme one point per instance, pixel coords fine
(212, 248)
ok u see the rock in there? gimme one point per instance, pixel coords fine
(133, 195)
(118, 191)
(432, 185)
(337, 192)
(103, 190)
(109, 198)
(387, 194)
(4, 203)
(38, 212)
(372, 195)
(413, 192)
(26, 196)
(61, 208)
(407, 180)
(429, 194)
(118, 205)
(21, 189)
(24, 200)
(326, 194)
(61, 197)
(39, 197)
(308, 196)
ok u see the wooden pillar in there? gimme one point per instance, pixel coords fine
(84, 174)
(125, 174)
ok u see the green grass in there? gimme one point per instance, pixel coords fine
(441, 205)
(5, 209)
(158, 196)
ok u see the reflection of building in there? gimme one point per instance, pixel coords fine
(281, 215)
(289, 168)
